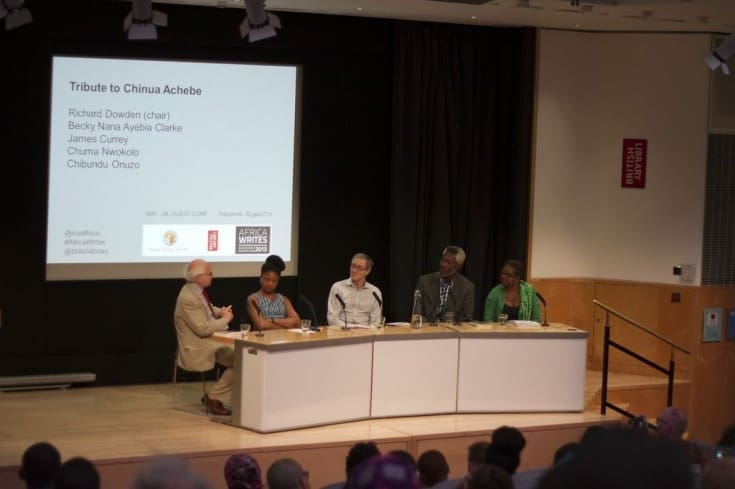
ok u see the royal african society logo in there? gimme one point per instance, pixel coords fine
(170, 238)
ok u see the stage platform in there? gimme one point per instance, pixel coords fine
(120, 428)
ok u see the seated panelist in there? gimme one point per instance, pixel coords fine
(267, 308)
(512, 296)
(362, 300)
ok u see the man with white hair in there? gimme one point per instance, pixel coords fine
(447, 290)
(196, 320)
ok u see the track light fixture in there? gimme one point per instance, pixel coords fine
(142, 20)
(14, 13)
(258, 24)
(719, 56)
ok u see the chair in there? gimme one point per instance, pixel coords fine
(202, 374)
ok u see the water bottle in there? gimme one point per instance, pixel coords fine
(416, 311)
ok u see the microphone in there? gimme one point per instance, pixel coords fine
(344, 306)
(306, 301)
(543, 301)
(381, 320)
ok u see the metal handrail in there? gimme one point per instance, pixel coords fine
(604, 404)
(640, 326)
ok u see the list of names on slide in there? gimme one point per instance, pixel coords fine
(105, 138)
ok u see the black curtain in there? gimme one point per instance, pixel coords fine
(461, 151)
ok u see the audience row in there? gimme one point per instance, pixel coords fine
(621, 457)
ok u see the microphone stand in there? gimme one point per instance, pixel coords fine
(543, 301)
(315, 325)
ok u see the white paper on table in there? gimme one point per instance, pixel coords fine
(524, 324)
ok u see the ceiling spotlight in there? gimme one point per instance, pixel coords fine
(258, 24)
(142, 20)
(14, 13)
(719, 56)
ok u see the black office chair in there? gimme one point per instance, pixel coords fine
(202, 374)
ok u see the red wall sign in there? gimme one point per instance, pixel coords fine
(635, 154)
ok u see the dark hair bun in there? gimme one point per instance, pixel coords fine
(276, 262)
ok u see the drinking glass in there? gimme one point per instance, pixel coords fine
(244, 329)
(381, 322)
(449, 318)
(502, 318)
(305, 325)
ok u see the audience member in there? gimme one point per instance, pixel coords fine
(405, 456)
(565, 453)
(476, 455)
(267, 308)
(433, 469)
(40, 463)
(719, 474)
(286, 473)
(622, 458)
(727, 437)
(77, 473)
(168, 472)
(592, 433)
(242, 472)
(358, 453)
(672, 424)
(196, 320)
(391, 471)
(447, 290)
(512, 296)
(358, 295)
(505, 448)
(489, 476)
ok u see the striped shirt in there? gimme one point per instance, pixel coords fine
(360, 304)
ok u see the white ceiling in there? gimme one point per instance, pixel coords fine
(716, 16)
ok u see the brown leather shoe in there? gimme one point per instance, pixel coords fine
(215, 406)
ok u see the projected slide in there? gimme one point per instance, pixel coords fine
(163, 162)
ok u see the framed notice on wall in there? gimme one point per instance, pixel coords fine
(712, 324)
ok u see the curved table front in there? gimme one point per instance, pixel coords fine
(287, 379)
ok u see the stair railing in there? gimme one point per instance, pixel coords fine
(604, 403)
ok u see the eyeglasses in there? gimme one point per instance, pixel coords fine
(355, 266)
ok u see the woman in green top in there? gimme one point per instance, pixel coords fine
(512, 296)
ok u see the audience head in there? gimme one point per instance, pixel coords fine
(592, 433)
(199, 272)
(389, 471)
(286, 473)
(672, 423)
(360, 452)
(505, 448)
(622, 458)
(242, 472)
(476, 455)
(488, 476)
(166, 472)
(453, 257)
(77, 473)
(405, 456)
(433, 468)
(270, 273)
(719, 474)
(39, 465)
(727, 437)
(565, 453)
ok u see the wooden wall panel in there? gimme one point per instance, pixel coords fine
(710, 399)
